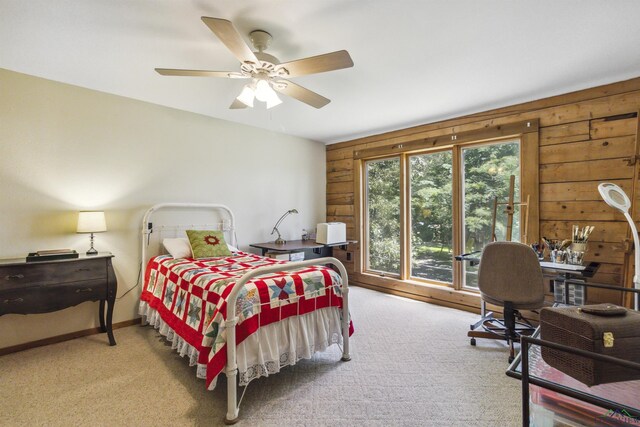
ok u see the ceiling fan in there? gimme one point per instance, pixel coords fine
(267, 74)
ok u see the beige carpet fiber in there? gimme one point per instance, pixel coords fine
(411, 365)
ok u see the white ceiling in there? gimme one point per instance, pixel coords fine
(415, 61)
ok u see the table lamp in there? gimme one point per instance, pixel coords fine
(615, 197)
(280, 240)
(91, 222)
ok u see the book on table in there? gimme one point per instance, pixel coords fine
(52, 254)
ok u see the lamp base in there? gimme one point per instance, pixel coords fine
(280, 241)
(92, 250)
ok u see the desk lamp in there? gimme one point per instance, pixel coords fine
(615, 197)
(280, 240)
(91, 222)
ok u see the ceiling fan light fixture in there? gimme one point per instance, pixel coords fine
(263, 90)
(273, 100)
(246, 96)
(265, 70)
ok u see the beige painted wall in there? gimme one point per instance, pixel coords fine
(65, 148)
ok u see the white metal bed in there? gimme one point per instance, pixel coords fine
(227, 225)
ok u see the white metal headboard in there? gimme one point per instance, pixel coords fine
(228, 227)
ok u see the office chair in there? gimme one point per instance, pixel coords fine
(509, 276)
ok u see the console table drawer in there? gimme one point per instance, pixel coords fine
(44, 299)
(16, 276)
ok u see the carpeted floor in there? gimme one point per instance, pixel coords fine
(411, 365)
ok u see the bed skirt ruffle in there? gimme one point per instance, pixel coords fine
(268, 349)
(183, 348)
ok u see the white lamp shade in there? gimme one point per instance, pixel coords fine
(246, 96)
(273, 100)
(263, 90)
(91, 222)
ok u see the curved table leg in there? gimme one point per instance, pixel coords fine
(112, 340)
(103, 328)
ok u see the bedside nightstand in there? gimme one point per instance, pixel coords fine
(46, 286)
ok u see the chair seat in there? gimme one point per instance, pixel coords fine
(528, 305)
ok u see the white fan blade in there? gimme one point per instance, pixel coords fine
(236, 105)
(231, 38)
(318, 64)
(200, 73)
(301, 94)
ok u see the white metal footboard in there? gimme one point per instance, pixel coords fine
(233, 406)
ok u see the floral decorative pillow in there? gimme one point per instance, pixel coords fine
(207, 243)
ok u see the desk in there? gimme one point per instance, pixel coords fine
(568, 280)
(473, 258)
(560, 275)
(318, 250)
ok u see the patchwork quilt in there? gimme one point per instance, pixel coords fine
(190, 296)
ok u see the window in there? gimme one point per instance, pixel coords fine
(486, 171)
(421, 208)
(383, 216)
(431, 183)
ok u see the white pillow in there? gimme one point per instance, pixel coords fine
(178, 247)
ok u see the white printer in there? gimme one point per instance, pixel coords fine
(329, 233)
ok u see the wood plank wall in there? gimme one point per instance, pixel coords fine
(574, 159)
(586, 137)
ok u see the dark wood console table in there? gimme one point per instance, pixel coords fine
(46, 286)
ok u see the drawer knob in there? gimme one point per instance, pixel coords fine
(14, 276)
(83, 290)
(9, 301)
(84, 269)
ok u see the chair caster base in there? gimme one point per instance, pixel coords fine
(472, 341)
(229, 422)
(345, 358)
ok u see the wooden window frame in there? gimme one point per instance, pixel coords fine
(528, 134)
(407, 211)
(364, 232)
(459, 196)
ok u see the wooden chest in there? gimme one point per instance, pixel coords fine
(617, 336)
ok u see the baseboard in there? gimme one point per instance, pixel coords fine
(65, 337)
(416, 297)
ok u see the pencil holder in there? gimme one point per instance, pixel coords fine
(575, 254)
(578, 247)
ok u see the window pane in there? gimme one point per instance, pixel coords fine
(431, 216)
(486, 172)
(383, 210)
